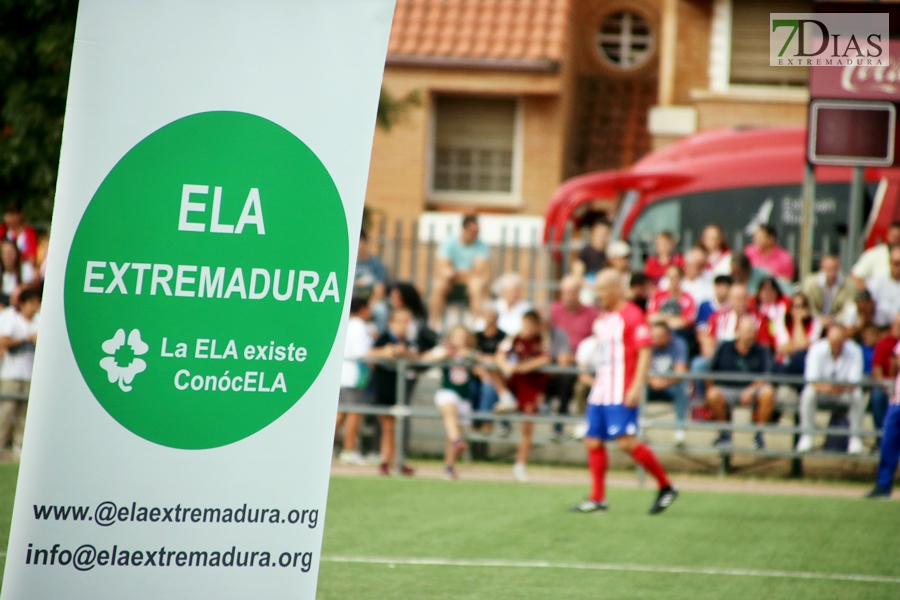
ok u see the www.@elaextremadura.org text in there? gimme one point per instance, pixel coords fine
(108, 513)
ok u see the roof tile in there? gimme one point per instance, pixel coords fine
(486, 29)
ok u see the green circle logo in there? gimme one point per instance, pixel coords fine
(205, 283)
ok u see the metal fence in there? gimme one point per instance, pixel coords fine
(404, 413)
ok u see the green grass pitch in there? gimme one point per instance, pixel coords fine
(731, 534)
(483, 521)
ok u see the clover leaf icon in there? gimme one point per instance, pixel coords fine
(123, 363)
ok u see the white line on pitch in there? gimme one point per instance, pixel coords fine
(515, 564)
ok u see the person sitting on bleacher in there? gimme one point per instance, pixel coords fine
(669, 355)
(461, 260)
(744, 354)
(511, 304)
(722, 327)
(838, 359)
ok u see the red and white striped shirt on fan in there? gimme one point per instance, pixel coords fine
(722, 326)
(620, 334)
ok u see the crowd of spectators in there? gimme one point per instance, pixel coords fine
(713, 310)
(21, 281)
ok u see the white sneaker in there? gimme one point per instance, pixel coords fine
(805, 443)
(855, 446)
(519, 473)
(579, 431)
(350, 457)
(506, 404)
(679, 437)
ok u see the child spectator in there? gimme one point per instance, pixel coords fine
(18, 336)
(392, 344)
(656, 265)
(354, 377)
(519, 358)
(453, 398)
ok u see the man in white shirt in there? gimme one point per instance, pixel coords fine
(18, 336)
(838, 359)
(875, 260)
(885, 290)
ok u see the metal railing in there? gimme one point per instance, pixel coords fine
(404, 412)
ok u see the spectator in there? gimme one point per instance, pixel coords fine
(453, 398)
(885, 290)
(771, 302)
(839, 361)
(722, 325)
(827, 290)
(641, 290)
(718, 255)
(592, 258)
(618, 253)
(405, 295)
(696, 281)
(857, 315)
(22, 235)
(794, 334)
(743, 272)
(669, 355)
(721, 285)
(461, 261)
(487, 342)
(13, 272)
(519, 358)
(673, 307)
(511, 305)
(370, 281)
(576, 320)
(392, 344)
(354, 377)
(765, 253)
(876, 261)
(884, 370)
(656, 265)
(744, 354)
(18, 337)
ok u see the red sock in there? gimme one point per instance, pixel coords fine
(644, 456)
(597, 465)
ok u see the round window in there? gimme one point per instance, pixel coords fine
(625, 40)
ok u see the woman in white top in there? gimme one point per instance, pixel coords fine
(718, 261)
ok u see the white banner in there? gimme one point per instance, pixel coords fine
(211, 184)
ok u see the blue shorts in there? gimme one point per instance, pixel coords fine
(611, 421)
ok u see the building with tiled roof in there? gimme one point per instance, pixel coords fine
(517, 95)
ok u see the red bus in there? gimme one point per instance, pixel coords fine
(736, 178)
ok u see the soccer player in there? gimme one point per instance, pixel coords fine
(623, 360)
(890, 444)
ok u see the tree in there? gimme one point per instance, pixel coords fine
(36, 38)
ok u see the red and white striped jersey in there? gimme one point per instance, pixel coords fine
(619, 334)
